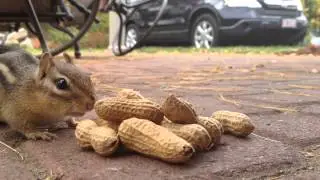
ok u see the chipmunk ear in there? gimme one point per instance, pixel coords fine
(68, 58)
(46, 63)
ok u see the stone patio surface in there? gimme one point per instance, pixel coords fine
(279, 94)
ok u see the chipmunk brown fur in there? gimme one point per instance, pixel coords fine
(36, 93)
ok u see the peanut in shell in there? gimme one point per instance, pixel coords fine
(213, 126)
(104, 140)
(195, 134)
(178, 110)
(118, 109)
(82, 133)
(129, 94)
(148, 138)
(235, 123)
(111, 124)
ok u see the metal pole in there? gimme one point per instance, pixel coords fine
(113, 26)
(37, 26)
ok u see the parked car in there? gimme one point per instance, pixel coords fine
(207, 23)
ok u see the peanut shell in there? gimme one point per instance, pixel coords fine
(119, 109)
(104, 140)
(195, 134)
(178, 110)
(129, 94)
(234, 123)
(213, 126)
(148, 138)
(111, 124)
(82, 133)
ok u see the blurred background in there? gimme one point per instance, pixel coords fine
(216, 25)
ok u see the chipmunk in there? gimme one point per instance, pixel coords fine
(36, 92)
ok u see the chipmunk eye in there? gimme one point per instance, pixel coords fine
(61, 83)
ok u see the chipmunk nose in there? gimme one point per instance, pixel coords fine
(90, 105)
(91, 102)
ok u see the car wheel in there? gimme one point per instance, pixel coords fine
(204, 32)
(132, 35)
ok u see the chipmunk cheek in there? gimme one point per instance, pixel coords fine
(77, 107)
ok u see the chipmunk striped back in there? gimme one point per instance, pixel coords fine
(14, 65)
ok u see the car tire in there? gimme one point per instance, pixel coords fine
(132, 35)
(207, 39)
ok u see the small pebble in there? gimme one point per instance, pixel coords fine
(314, 71)
(260, 66)
(281, 171)
(310, 168)
(245, 70)
(308, 154)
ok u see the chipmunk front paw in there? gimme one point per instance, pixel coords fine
(47, 136)
(72, 122)
(67, 123)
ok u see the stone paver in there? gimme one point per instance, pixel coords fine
(276, 149)
(255, 155)
(291, 128)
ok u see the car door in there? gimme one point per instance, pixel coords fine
(171, 22)
(174, 19)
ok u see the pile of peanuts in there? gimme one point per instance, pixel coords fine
(172, 132)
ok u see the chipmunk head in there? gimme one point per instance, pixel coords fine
(66, 87)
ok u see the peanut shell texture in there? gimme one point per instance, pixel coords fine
(104, 140)
(195, 134)
(119, 109)
(129, 94)
(148, 138)
(111, 124)
(213, 126)
(235, 123)
(82, 133)
(178, 110)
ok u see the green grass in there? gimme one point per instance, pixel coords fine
(97, 36)
(222, 49)
(70, 50)
(189, 50)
